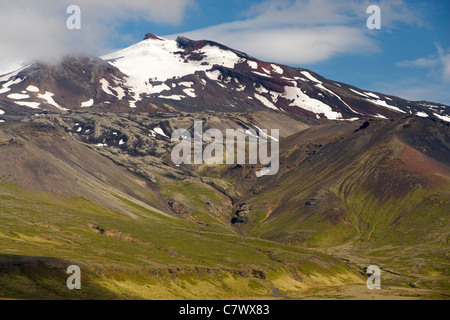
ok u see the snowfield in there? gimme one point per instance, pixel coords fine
(154, 60)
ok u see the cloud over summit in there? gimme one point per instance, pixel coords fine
(37, 29)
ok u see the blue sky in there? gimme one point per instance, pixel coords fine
(409, 56)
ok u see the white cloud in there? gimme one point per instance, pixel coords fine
(37, 29)
(332, 12)
(439, 63)
(444, 58)
(305, 31)
(418, 63)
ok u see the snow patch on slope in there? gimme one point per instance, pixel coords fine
(87, 104)
(252, 64)
(173, 97)
(260, 74)
(33, 105)
(384, 104)
(48, 97)
(6, 86)
(106, 87)
(190, 92)
(360, 93)
(265, 101)
(445, 118)
(309, 76)
(159, 131)
(422, 114)
(32, 88)
(302, 100)
(18, 96)
(373, 95)
(277, 69)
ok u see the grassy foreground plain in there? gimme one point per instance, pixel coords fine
(147, 255)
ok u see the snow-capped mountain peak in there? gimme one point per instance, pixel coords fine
(158, 74)
(151, 62)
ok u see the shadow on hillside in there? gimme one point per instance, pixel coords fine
(43, 278)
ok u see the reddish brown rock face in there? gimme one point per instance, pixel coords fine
(149, 35)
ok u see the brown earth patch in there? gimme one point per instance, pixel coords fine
(416, 161)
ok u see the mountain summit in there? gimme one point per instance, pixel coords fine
(149, 35)
(158, 74)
